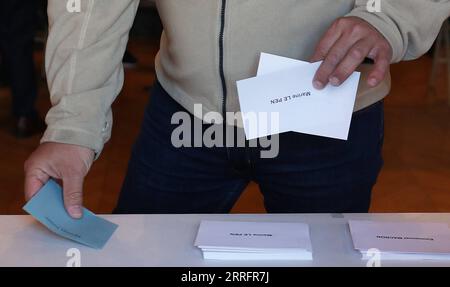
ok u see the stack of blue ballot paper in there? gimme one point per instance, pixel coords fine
(401, 240)
(233, 240)
(281, 98)
(48, 208)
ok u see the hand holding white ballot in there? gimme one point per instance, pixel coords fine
(284, 89)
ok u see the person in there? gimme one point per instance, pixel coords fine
(205, 48)
(17, 23)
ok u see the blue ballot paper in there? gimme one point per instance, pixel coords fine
(47, 207)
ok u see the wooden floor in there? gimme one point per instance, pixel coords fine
(415, 178)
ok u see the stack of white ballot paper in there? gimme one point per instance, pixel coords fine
(281, 98)
(401, 240)
(254, 241)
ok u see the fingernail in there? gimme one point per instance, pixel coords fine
(75, 211)
(335, 81)
(318, 85)
(372, 82)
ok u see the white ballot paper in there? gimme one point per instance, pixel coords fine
(282, 99)
(402, 240)
(222, 240)
(269, 63)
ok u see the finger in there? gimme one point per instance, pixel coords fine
(351, 61)
(332, 60)
(73, 196)
(34, 180)
(380, 69)
(323, 47)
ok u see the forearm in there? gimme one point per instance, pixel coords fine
(84, 70)
(410, 26)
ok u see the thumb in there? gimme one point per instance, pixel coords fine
(73, 196)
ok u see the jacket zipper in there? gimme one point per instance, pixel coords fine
(221, 58)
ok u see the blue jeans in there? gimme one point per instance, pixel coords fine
(311, 174)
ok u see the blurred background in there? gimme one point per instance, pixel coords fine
(416, 174)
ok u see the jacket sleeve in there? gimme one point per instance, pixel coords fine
(84, 68)
(410, 26)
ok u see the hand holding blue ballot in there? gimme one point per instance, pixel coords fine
(48, 208)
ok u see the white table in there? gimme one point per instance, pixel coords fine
(167, 240)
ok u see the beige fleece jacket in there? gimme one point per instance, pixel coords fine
(207, 46)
